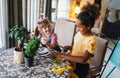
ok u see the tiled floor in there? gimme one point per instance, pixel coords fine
(116, 72)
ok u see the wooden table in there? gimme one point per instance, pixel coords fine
(41, 68)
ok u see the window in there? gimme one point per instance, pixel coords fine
(2, 24)
(63, 12)
(58, 11)
(0, 34)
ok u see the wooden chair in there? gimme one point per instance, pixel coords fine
(65, 30)
(98, 59)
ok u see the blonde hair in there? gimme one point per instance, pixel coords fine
(40, 25)
(44, 23)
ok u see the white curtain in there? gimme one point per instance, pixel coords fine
(3, 24)
(32, 14)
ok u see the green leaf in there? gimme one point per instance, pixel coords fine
(19, 33)
(32, 47)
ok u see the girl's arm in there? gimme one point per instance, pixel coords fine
(79, 59)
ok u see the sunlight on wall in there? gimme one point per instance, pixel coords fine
(73, 14)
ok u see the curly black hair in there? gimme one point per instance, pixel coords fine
(89, 13)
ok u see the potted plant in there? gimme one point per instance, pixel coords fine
(19, 33)
(30, 51)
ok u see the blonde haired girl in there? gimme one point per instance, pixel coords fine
(46, 35)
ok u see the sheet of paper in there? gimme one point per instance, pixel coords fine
(43, 52)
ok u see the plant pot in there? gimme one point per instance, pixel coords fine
(28, 61)
(18, 57)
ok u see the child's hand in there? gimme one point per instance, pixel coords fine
(56, 54)
(44, 41)
(66, 48)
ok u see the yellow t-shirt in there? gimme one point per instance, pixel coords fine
(82, 43)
